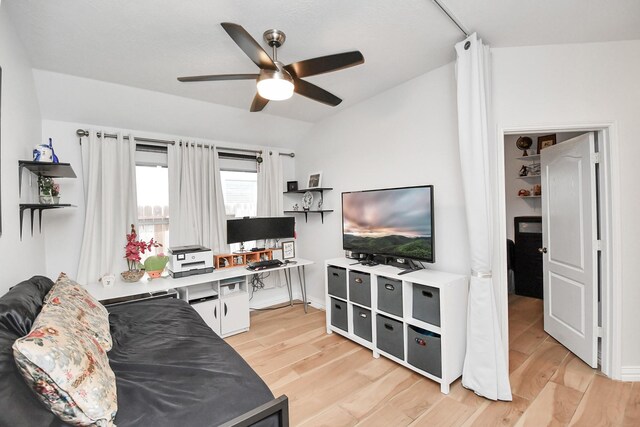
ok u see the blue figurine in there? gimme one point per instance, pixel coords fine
(44, 153)
(55, 158)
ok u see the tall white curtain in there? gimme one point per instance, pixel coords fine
(270, 185)
(196, 204)
(270, 191)
(109, 175)
(485, 370)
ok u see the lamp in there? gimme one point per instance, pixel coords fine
(275, 85)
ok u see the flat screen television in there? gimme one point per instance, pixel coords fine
(395, 222)
(248, 229)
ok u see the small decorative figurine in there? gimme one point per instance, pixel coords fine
(307, 200)
(524, 193)
(42, 153)
(45, 153)
(537, 190)
(524, 171)
(55, 158)
(320, 202)
(524, 143)
(296, 207)
(155, 264)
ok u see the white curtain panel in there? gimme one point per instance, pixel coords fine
(196, 204)
(270, 192)
(270, 185)
(109, 176)
(485, 369)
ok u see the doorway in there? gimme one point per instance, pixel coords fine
(521, 203)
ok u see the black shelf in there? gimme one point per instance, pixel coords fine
(304, 190)
(51, 170)
(46, 169)
(306, 218)
(32, 207)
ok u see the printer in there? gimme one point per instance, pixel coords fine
(190, 260)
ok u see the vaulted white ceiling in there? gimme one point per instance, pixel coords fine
(148, 43)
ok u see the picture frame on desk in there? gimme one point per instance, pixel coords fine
(288, 250)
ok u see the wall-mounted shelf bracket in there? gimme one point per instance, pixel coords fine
(32, 207)
(306, 217)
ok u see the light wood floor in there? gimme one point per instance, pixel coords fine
(332, 381)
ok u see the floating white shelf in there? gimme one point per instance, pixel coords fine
(532, 157)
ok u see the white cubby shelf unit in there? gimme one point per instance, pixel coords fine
(418, 320)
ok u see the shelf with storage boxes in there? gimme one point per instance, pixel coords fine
(223, 305)
(417, 320)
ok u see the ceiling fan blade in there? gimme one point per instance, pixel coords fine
(325, 64)
(249, 46)
(217, 77)
(314, 92)
(258, 103)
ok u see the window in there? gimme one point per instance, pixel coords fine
(152, 184)
(240, 192)
(239, 188)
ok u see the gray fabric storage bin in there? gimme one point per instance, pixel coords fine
(390, 295)
(362, 322)
(360, 288)
(390, 337)
(424, 350)
(337, 281)
(426, 304)
(339, 314)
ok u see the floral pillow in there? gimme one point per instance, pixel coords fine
(74, 302)
(69, 370)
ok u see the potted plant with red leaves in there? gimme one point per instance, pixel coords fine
(133, 251)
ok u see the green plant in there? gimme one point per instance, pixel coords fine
(48, 187)
(155, 262)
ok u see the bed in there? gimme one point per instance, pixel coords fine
(171, 368)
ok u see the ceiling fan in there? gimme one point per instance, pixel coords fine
(277, 81)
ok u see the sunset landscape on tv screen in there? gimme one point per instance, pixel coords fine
(389, 222)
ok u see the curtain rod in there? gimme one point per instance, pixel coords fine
(83, 132)
(451, 17)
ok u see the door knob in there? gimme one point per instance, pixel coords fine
(542, 250)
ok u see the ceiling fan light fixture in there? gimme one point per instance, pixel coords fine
(275, 85)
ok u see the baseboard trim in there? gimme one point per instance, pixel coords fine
(630, 373)
(315, 303)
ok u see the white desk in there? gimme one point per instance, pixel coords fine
(122, 289)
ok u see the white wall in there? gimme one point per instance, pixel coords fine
(576, 84)
(66, 225)
(20, 131)
(76, 99)
(405, 136)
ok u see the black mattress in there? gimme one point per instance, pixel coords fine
(171, 368)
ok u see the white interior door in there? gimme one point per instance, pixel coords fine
(569, 236)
